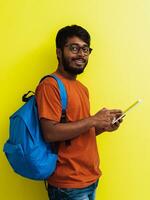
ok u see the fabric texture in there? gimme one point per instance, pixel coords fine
(78, 163)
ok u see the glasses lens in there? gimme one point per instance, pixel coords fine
(74, 48)
(85, 50)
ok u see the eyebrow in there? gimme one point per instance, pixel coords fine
(85, 45)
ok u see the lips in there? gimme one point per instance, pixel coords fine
(79, 61)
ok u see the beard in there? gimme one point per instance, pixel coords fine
(71, 68)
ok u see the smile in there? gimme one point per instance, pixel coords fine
(79, 61)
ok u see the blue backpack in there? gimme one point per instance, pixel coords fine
(27, 152)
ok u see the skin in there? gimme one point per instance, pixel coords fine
(102, 121)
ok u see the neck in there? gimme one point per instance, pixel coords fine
(60, 70)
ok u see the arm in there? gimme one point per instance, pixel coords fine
(55, 131)
(47, 96)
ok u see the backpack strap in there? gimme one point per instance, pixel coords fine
(63, 97)
(63, 93)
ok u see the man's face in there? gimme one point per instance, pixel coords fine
(75, 55)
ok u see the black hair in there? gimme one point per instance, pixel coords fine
(70, 31)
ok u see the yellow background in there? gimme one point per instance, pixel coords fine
(117, 75)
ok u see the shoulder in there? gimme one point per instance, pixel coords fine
(47, 86)
(48, 82)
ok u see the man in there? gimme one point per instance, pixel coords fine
(77, 172)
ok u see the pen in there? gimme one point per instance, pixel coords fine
(124, 113)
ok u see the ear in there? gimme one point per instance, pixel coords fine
(58, 53)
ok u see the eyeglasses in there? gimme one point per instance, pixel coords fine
(75, 49)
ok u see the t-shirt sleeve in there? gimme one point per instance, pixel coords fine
(48, 101)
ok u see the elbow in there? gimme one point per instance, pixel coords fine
(48, 130)
(48, 137)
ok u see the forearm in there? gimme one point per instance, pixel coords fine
(53, 131)
(102, 121)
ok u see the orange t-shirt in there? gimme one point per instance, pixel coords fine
(78, 163)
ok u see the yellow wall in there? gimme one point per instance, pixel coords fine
(117, 74)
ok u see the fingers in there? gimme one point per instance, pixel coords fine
(113, 110)
(116, 124)
(113, 127)
(105, 117)
(116, 111)
(121, 120)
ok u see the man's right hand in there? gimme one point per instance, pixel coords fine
(103, 120)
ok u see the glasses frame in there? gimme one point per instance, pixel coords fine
(79, 48)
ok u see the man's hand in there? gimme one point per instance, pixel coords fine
(103, 120)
